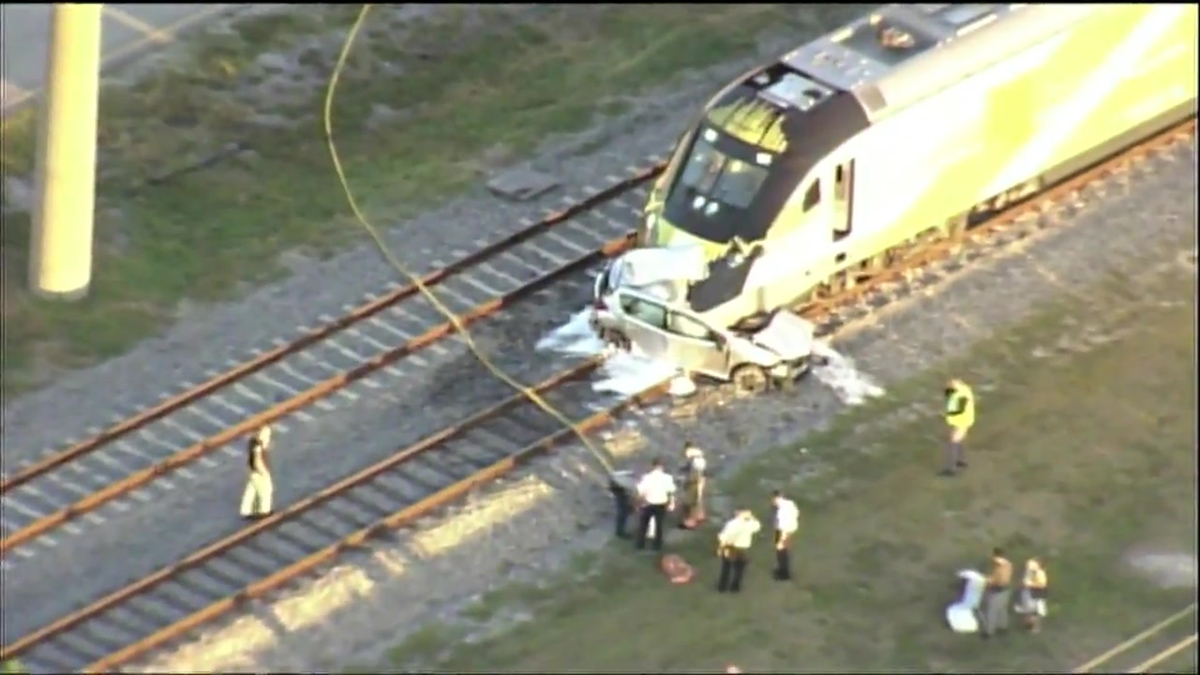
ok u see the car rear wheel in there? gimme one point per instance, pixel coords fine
(750, 379)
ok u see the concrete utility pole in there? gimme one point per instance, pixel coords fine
(60, 255)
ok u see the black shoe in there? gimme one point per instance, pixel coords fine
(781, 576)
(962, 463)
(947, 473)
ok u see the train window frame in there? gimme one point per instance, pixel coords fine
(812, 196)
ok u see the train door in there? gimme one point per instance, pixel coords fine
(841, 216)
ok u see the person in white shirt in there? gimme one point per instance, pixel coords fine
(656, 493)
(787, 521)
(733, 545)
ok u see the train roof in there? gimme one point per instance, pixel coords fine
(900, 54)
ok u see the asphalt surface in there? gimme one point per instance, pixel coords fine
(129, 30)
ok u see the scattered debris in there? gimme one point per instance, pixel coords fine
(522, 184)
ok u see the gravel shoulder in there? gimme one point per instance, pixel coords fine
(424, 590)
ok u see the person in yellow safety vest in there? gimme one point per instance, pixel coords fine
(1034, 589)
(959, 409)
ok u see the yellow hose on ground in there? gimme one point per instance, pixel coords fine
(413, 278)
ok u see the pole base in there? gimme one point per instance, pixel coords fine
(59, 296)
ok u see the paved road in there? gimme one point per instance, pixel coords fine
(129, 30)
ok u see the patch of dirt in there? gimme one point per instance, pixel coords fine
(1168, 570)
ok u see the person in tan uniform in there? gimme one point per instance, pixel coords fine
(256, 498)
(695, 471)
(997, 595)
(1034, 589)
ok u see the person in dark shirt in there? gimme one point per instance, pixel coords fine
(620, 484)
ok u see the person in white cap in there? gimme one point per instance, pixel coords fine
(695, 470)
(733, 547)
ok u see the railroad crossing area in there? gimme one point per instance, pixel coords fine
(129, 31)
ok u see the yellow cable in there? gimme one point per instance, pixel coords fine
(413, 278)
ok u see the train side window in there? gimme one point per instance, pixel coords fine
(813, 196)
(839, 183)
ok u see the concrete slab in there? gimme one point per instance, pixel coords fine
(129, 30)
(522, 184)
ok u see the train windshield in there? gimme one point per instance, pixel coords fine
(722, 171)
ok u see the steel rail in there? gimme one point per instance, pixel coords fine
(291, 513)
(317, 391)
(354, 316)
(937, 251)
(1133, 642)
(361, 537)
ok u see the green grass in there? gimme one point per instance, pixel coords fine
(467, 90)
(1083, 454)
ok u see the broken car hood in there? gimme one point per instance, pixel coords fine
(787, 335)
(646, 266)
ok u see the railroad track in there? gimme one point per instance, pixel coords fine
(166, 605)
(1167, 646)
(202, 423)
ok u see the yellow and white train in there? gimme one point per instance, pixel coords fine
(907, 122)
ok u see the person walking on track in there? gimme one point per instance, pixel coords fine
(959, 409)
(656, 492)
(733, 546)
(787, 521)
(256, 498)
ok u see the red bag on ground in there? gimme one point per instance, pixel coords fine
(676, 569)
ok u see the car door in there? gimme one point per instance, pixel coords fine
(644, 322)
(695, 347)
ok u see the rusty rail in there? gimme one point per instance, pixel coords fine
(354, 316)
(308, 505)
(320, 390)
(939, 251)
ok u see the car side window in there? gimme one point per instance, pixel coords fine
(649, 313)
(686, 326)
(813, 196)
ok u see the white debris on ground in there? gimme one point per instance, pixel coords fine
(628, 373)
(622, 374)
(839, 373)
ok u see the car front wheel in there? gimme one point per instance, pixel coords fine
(750, 379)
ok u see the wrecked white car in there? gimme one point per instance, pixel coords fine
(639, 300)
